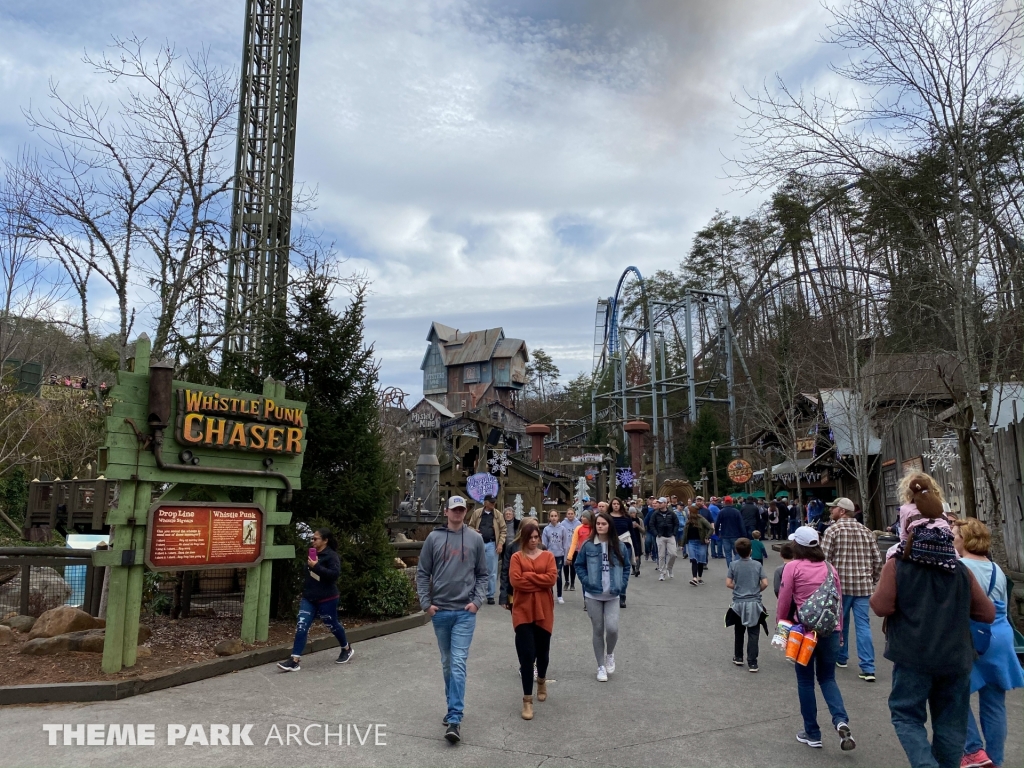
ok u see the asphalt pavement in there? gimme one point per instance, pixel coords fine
(676, 699)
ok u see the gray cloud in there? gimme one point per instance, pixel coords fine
(486, 163)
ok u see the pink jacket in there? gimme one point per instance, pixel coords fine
(799, 580)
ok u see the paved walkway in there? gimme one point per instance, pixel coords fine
(675, 699)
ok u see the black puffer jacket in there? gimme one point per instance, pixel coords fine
(328, 568)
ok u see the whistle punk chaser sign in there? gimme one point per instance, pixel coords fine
(255, 423)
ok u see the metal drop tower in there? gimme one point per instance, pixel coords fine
(264, 169)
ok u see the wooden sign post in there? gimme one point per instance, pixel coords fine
(163, 431)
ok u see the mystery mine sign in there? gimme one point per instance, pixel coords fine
(212, 420)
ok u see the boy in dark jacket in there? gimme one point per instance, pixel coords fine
(319, 598)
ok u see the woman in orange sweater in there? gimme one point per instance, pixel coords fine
(532, 572)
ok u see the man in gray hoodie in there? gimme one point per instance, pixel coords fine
(451, 581)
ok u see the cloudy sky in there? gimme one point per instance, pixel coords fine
(484, 163)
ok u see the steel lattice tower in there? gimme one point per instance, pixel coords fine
(264, 169)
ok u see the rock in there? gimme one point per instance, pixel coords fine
(143, 652)
(397, 563)
(20, 623)
(229, 647)
(46, 590)
(61, 621)
(85, 641)
(46, 646)
(6, 635)
(401, 538)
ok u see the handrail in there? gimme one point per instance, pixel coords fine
(44, 552)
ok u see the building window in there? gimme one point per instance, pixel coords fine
(471, 374)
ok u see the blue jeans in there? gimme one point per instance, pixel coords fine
(992, 708)
(822, 665)
(794, 523)
(729, 547)
(716, 548)
(858, 605)
(491, 554)
(308, 611)
(454, 631)
(948, 697)
(651, 545)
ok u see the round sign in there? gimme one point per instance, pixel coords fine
(480, 485)
(740, 471)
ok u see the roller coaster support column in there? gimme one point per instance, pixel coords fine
(691, 376)
(652, 341)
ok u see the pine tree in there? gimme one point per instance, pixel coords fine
(320, 355)
(696, 449)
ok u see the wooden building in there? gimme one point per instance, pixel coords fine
(466, 370)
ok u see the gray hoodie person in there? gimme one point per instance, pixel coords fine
(452, 571)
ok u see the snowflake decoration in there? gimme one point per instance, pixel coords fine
(625, 478)
(499, 462)
(517, 505)
(943, 454)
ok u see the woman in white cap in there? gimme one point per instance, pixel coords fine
(801, 578)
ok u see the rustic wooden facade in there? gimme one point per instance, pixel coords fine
(466, 370)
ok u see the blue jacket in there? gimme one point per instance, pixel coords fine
(648, 517)
(588, 568)
(729, 524)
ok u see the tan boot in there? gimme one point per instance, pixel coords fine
(542, 689)
(527, 707)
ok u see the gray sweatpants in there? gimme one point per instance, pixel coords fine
(666, 554)
(604, 618)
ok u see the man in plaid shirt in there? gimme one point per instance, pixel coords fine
(854, 552)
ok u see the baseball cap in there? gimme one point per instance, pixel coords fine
(662, 500)
(805, 536)
(456, 501)
(843, 502)
(489, 497)
(727, 499)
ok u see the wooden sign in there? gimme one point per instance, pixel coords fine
(805, 444)
(740, 471)
(191, 536)
(246, 423)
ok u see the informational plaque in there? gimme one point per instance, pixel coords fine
(189, 536)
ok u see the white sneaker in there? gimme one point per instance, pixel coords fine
(602, 675)
(609, 662)
(670, 575)
(661, 577)
(560, 600)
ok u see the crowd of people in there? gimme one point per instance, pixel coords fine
(943, 600)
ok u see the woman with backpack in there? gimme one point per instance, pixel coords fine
(811, 595)
(997, 670)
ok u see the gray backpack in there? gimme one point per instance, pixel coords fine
(820, 612)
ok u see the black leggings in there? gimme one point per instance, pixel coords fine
(752, 642)
(697, 569)
(569, 573)
(533, 644)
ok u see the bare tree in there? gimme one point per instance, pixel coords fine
(925, 75)
(28, 292)
(137, 199)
